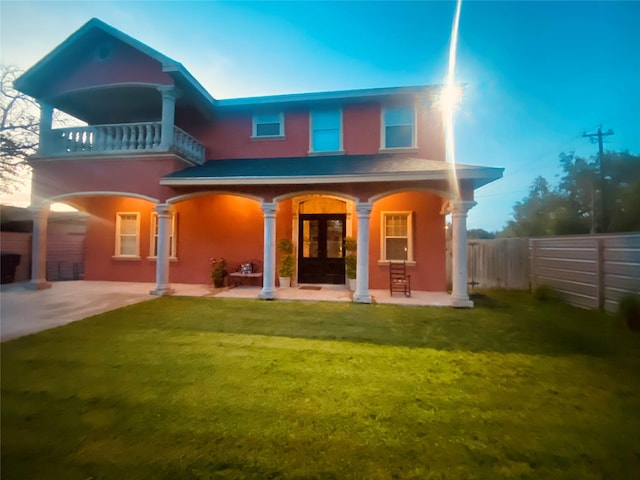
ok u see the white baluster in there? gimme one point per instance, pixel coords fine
(140, 130)
(119, 136)
(110, 139)
(156, 135)
(149, 138)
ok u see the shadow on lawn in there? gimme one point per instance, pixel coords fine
(501, 322)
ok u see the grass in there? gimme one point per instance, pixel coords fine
(182, 388)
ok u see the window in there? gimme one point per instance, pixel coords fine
(127, 235)
(172, 235)
(397, 242)
(326, 131)
(268, 125)
(398, 127)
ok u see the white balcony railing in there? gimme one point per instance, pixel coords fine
(121, 137)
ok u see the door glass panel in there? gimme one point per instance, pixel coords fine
(334, 238)
(310, 238)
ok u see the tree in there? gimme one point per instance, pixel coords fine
(577, 204)
(480, 234)
(19, 128)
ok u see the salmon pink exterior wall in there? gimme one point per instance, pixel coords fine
(216, 226)
(361, 128)
(141, 176)
(211, 226)
(122, 65)
(100, 240)
(429, 241)
(230, 137)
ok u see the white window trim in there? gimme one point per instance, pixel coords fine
(118, 244)
(383, 130)
(254, 127)
(173, 234)
(340, 150)
(383, 244)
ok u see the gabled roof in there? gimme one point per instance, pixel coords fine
(32, 80)
(327, 169)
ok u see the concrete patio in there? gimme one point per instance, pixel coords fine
(24, 311)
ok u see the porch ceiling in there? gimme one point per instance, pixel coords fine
(122, 104)
(328, 169)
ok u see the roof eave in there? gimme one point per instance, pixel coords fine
(479, 177)
(341, 95)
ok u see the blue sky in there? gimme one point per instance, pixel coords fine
(538, 74)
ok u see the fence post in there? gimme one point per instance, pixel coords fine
(532, 277)
(600, 272)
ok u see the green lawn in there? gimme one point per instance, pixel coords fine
(181, 388)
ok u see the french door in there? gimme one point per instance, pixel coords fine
(321, 248)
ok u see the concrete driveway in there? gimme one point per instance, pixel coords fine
(24, 311)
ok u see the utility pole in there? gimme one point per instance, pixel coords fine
(592, 137)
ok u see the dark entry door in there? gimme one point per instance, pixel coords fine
(321, 255)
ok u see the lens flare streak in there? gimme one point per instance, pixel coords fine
(449, 95)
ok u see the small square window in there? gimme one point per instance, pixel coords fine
(268, 125)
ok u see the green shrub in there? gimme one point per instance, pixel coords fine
(350, 259)
(218, 272)
(629, 311)
(286, 267)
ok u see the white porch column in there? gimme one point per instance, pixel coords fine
(40, 217)
(168, 115)
(459, 295)
(163, 251)
(362, 295)
(269, 268)
(46, 122)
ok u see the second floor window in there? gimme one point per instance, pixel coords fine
(268, 125)
(326, 130)
(398, 127)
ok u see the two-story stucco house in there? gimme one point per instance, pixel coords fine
(171, 177)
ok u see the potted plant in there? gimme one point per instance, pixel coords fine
(351, 260)
(285, 269)
(218, 272)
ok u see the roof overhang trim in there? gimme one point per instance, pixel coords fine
(479, 177)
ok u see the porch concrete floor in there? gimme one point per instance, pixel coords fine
(24, 311)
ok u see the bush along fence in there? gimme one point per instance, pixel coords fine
(589, 271)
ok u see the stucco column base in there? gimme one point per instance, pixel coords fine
(461, 302)
(362, 299)
(267, 294)
(38, 285)
(161, 292)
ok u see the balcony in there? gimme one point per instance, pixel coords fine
(129, 138)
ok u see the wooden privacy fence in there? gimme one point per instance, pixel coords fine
(589, 271)
(497, 263)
